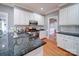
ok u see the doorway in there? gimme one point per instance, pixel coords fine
(52, 28)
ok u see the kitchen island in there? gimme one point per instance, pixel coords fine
(22, 44)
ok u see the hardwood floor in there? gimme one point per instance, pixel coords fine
(51, 49)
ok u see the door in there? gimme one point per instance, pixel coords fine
(52, 29)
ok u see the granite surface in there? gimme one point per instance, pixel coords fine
(20, 45)
(23, 45)
(71, 34)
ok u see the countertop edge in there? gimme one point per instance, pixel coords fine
(34, 48)
(71, 34)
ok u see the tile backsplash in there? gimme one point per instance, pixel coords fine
(69, 28)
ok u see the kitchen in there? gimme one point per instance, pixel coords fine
(24, 29)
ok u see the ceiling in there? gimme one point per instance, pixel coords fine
(41, 8)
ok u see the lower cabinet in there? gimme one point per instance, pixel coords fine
(77, 48)
(42, 34)
(69, 43)
(36, 52)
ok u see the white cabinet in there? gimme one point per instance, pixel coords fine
(63, 16)
(21, 17)
(36, 52)
(31, 17)
(69, 15)
(42, 34)
(16, 16)
(39, 18)
(60, 41)
(77, 45)
(77, 48)
(69, 43)
(27, 18)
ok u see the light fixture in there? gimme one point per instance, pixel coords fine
(42, 8)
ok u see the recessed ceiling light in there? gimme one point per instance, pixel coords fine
(42, 8)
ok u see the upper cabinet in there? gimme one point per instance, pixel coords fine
(39, 18)
(69, 15)
(16, 16)
(22, 17)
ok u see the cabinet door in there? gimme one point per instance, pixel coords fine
(16, 16)
(74, 44)
(42, 34)
(69, 15)
(22, 18)
(77, 45)
(63, 16)
(32, 16)
(68, 43)
(73, 13)
(26, 16)
(78, 48)
(60, 41)
(39, 18)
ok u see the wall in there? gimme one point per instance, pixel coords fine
(5, 39)
(10, 12)
(53, 15)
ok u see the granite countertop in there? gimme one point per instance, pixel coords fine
(35, 44)
(71, 34)
(25, 45)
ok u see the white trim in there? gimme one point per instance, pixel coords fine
(48, 25)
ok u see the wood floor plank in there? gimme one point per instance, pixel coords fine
(51, 49)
